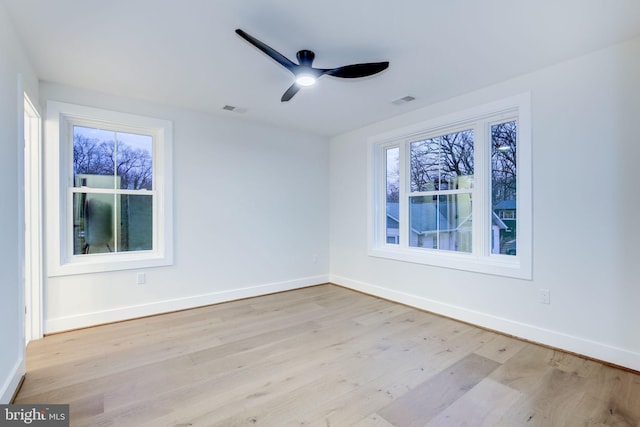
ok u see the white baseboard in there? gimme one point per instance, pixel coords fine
(12, 382)
(131, 312)
(578, 345)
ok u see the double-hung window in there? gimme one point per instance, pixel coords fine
(110, 190)
(456, 191)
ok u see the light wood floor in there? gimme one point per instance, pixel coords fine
(321, 356)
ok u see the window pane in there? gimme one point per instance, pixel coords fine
(423, 222)
(443, 163)
(441, 222)
(393, 195)
(93, 151)
(503, 188)
(425, 165)
(134, 161)
(93, 220)
(456, 231)
(92, 223)
(135, 224)
(456, 160)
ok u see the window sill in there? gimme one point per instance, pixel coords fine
(498, 265)
(108, 262)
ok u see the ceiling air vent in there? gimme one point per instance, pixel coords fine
(403, 100)
(234, 109)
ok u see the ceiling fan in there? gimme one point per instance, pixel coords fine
(305, 74)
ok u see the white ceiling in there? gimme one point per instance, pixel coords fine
(186, 53)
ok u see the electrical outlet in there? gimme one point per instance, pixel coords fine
(141, 279)
(544, 296)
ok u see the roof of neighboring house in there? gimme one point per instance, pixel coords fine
(393, 210)
(505, 204)
(424, 217)
(495, 220)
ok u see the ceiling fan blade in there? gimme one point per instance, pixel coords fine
(357, 70)
(293, 89)
(274, 54)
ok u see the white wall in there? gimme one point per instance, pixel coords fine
(250, 214)
(12, 63)
(586, 153)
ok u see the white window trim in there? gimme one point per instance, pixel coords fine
(481, 260)
(33, 267)
(58, 154)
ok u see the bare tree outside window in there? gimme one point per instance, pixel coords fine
(503, 161)
(127, 156)
(438, 163)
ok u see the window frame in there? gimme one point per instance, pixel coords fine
(480, 260)
(61, 118)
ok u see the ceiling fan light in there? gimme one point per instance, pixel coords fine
(305, 79)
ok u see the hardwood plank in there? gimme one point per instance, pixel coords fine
(539, 406)
(472, 409)
(500, 348)
(429, 399)
(526, 368)
(611, 398)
